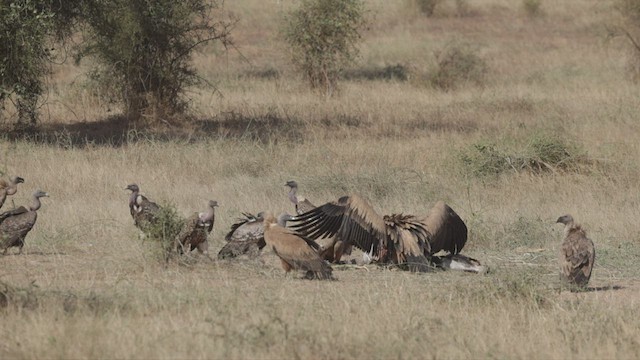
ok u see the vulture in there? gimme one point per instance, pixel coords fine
(577, 254)
(142, 209)
(15, 224)
(302, 205)
(335, 248)
(448, 235)
(397, 238)
(9, 187)
(296, 252)
(195, 230)
(247, 236)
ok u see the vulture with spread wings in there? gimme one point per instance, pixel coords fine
(418, 244)
(397, 238)
(334, 248)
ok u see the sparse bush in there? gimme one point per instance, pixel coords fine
(532, 7)
(323, 36)
(542, 154)
(145, 47)
(164, 230)
(458, 64)
(397, 72)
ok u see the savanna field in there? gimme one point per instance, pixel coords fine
(551, 128)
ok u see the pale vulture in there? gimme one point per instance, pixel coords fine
(246, 236)
(8, 188)
(15, 224)
(296, 252)
(334, 248)
(143, 211)
(195, 231)
(397, 238)
(577, 253)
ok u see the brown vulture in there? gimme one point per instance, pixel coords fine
(8, 188)
(296, 252)
(397, 238)
(15, 224)
(143, 211)
(334, 248)
(577, 254)
(195, 230)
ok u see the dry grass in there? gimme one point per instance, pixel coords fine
(88, 288)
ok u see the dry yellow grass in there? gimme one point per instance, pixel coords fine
(88, 288)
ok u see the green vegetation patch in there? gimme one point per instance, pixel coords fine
(542, 154)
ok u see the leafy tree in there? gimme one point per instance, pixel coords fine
(28, 29)
(323, 35)
(144, 48)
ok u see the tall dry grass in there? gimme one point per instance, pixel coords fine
(87, 287)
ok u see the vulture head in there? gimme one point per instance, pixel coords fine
(213, 203)
(565, 219)
(16, 180)
(40, 194)
(291, 184)
(133, 188)
(283, 218)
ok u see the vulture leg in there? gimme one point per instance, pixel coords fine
(203, 248)
(285, 265)
(339, 248)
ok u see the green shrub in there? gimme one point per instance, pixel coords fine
(323, 36)
(458, 64)
(145, 47)
(164, 229)
(542, 154)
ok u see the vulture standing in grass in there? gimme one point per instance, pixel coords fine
(397, 238)
(8, 188)
(142, 210)
(195, 231)
(577, 254)
(334, 248)
(15, 224)
(296, 252)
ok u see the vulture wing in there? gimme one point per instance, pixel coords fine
(409, 242)
(577, 256)
(14, 228)
(350, 217)
(192, 235)
(144, 211)
(246, 229)
(448, 231)
(14, 212)
(303, 206)
(296, 251)
(245, 237)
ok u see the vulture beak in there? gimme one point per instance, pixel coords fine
(45, 194)
(19, 180)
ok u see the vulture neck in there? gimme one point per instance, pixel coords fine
(207, 215)
(11, 189)
(292, 195)
(570, 227)
(282, 220)
(35, 204)
(132, 198)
